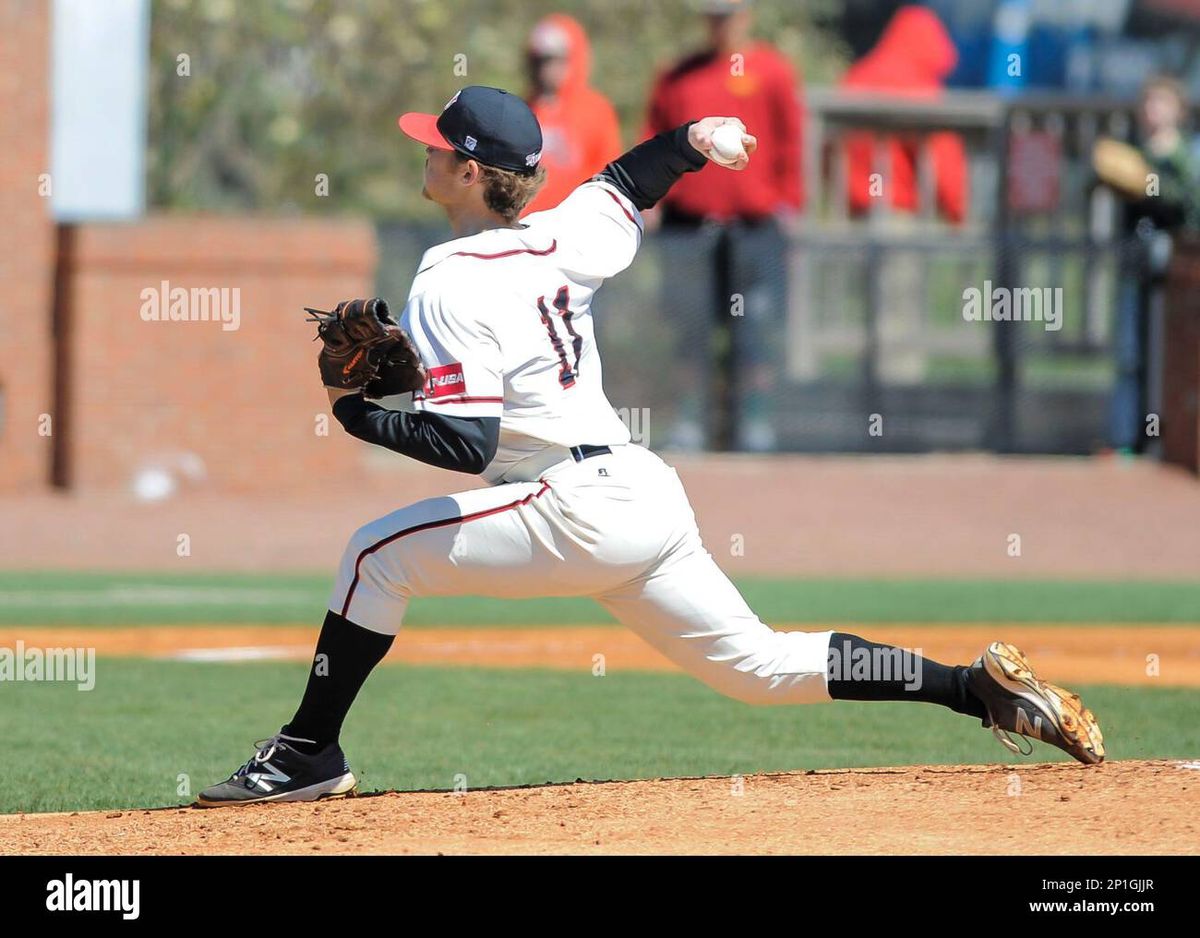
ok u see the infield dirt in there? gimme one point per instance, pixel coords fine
(1131, 807)
(1142, 655)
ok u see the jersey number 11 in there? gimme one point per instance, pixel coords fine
(562, 300)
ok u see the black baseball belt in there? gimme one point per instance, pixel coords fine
(580, 453)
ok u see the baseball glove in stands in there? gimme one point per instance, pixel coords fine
(364, 347)
(1121, 166)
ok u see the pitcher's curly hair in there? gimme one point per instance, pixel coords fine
(507, 193)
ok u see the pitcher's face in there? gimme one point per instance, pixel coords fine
(443, 176)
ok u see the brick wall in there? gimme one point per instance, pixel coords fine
(26, 245)
(246, 400)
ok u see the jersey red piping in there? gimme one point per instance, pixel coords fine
(459, 400)
(622, 205)
(491, 257)
(428, 526)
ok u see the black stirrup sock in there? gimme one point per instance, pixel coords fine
(863, 670)
(345, 655)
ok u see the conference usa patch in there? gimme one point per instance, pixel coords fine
(445, 381)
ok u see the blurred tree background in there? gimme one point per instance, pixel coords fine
(250, 101)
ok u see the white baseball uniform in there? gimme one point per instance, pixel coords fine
(503, 323)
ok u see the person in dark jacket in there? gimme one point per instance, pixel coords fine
(1161, 183)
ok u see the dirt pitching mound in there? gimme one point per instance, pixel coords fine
(1122, 807)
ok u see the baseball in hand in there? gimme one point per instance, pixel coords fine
(727, 143)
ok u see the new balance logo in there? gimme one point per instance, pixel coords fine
(1023, 726)
(262, 780)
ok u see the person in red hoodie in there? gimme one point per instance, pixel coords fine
(580, 133)
(724, 240)
(913, 58)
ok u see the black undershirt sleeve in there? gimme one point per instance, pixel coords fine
(647, 172)
(462, 444)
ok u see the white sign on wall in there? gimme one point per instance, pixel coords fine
(100, 54)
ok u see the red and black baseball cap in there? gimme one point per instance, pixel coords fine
(486, 124)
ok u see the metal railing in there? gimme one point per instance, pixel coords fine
(956, 384)
(872, 330)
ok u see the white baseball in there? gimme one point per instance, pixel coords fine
(727, 143)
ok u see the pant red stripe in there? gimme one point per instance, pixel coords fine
(428, 526)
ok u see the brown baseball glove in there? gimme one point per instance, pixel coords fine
(364, 347)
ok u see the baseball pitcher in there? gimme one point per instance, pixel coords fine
(497, 345)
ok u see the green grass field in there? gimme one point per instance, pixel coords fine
(152, 732)
(127, 742)
(131, 599)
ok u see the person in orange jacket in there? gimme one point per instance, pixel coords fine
(580, 133)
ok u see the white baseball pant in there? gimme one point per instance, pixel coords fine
(617, 527)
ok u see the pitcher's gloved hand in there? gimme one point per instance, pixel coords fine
(400, 370)
(364, 347)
